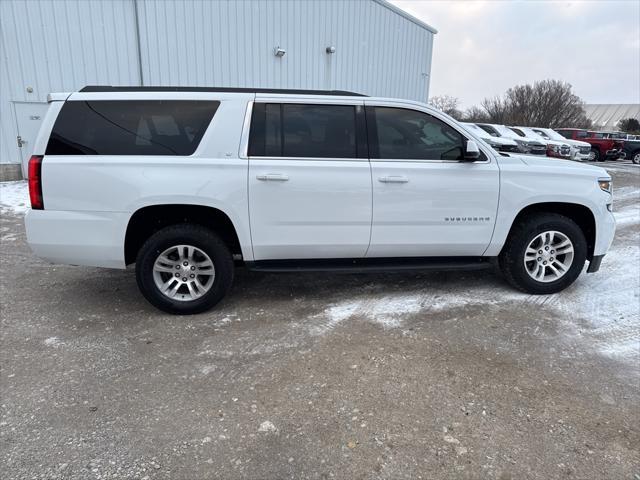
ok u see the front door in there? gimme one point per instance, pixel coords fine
(29, 116)
(426, 202)
(309, 182)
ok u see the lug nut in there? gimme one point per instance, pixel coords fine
(184, 279)
(192, 276)
(546, 248)
(193, 268)
(185, 263)
(177, 274)
(551, 259)
(553, 251)
(544, 263)
(178, 266)
(539, 259)
(540, 252)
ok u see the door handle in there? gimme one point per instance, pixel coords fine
(273, 177)
(394, 179)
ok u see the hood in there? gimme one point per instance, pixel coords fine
(577, 143)
(548, 162)
(500, 140)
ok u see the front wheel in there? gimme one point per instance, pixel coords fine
(184, 269)
(594, 156)
(544, 254)
(636, 158)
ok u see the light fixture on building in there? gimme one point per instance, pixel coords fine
(331, 49)
(279, 52)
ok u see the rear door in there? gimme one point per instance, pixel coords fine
(309, 180)
(426, 201)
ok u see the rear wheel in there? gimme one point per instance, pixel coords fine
(636, 157)
(544, 254)
(594, 156)
(184, 269)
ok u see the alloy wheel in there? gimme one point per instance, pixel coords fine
(549, 256)
(183, 273)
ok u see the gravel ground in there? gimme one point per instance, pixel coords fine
(432, 375)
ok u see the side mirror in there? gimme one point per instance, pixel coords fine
(472, 152)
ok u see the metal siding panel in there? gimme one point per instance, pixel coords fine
(61, 45)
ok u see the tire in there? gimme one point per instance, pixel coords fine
(199, 257)
(522, 236)
(635, 157)
(596, 157)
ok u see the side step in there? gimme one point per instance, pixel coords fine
(372, 265)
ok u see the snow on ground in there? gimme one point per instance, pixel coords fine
(608, 301)
(14, 197)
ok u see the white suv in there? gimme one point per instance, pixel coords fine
(185, 182)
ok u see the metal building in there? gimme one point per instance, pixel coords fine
(367, 46)
(607, 116)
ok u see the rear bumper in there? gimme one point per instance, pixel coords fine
(78, 238)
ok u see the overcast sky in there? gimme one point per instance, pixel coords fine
(484, 47)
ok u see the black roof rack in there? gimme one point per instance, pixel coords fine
(108, 88)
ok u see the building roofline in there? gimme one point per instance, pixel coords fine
(406, 15)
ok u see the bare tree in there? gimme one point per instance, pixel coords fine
(548, 103)
(475, 115)
(447, 104)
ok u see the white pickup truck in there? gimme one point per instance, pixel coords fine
(186, 182)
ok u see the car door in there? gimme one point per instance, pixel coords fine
(426, 200)
(309, 180)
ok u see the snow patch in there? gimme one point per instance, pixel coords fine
(267, 427)
(14, 197)
(53, 342)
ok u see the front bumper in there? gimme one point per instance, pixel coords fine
(605, 230)
(78, 238)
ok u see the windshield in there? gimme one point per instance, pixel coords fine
(506, 132)
(543, 134)
(490, 130)
(531, 134)
(551, 134)
(477, 130)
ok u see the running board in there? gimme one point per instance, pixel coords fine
(371, 265)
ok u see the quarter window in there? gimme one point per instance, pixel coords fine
(299, 131)
(130, 127)
(412, 135)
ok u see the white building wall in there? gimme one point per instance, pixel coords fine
(63, 45)
(58, 46)
(231, 43)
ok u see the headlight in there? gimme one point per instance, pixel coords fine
(605, 184)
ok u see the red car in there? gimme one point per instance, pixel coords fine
(602, 148)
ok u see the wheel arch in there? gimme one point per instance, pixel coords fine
(149, 219)
(580, 214)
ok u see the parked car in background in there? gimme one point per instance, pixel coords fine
(555, 148)
(631, 148)
(580, 151)
(525, 145)
(501, 144)
(601, 148)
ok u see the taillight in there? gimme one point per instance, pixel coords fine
(35, 182)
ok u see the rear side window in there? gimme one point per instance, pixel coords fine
(299, 131)
(412, 135)
(130, 127)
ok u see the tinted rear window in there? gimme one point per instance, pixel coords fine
(312, 131)
(130, 127)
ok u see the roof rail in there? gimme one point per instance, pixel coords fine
(109, 88)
